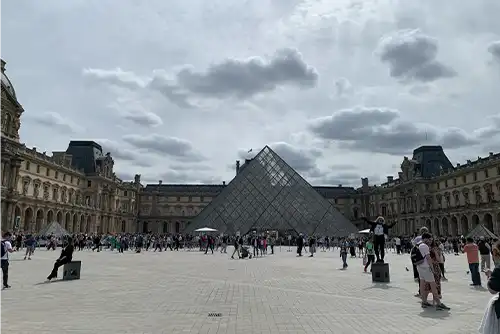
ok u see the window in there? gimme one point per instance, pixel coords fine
(464, 178)
(38, 168)
(71, 179)
(78, 181)
(89, 184)
(203, 199)
(454, 182)
(437, 186)
(190, 199)
(27, 166)
(446, 183)
(475, 176)
(486, 173)
(125, 193)
(47, 171)
(56, 175)
(426, 186)
(498, 170)
(178, 199)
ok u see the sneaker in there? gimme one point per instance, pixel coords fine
(6, 286)
(442, 307)
(425, 304)
(417, 295)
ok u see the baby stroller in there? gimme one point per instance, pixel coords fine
(245, 253)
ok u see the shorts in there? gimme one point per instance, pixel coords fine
(426, 274)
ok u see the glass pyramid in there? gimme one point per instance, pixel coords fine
(267, 194)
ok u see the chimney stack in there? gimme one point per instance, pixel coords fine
(223, 183)
(390, 179)
(237, 167)
(364, 182)
(160, 182)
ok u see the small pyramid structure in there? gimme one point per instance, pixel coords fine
(267, 194)
(481, 231)
(54, 229)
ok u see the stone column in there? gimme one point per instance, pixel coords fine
(2, 171)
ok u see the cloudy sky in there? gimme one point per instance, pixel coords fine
(178, 90)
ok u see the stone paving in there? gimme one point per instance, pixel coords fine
(174, 292)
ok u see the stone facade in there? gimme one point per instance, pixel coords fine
(38, 189)
(451, 201)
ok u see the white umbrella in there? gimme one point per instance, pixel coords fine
(367, 231)
(205, 229)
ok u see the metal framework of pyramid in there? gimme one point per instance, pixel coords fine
(267, 194)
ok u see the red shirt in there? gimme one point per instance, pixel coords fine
(472, 252)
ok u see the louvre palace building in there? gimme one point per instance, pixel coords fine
(78, 189)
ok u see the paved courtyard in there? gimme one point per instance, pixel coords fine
(174, 292)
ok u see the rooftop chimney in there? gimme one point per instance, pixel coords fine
(340, 186)
(390, 179)
(160, 182)
(223, 183)
(491, 154)
(237, 167)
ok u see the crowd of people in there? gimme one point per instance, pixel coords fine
(427, 253)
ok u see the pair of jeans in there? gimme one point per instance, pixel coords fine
(344, 259)
(474, 272)
(5, 272)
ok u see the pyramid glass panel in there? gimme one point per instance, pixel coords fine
(267, 194)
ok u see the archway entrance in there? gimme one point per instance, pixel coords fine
(50, 216)
(39, 221)
(436, 228)
(67, 223)
(16, 223)
(454, 226)
(75, 223)
(475, 220)
(488, 222)
(464, 224)
(59, 217)
(28, 220)
(445, 226)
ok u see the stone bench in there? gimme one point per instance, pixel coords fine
(72, 270)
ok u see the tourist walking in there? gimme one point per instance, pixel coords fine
(472, 250)
(6, 249)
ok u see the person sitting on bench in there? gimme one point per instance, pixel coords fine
(66, 257)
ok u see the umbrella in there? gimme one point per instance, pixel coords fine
(205, 229)
(367, 231)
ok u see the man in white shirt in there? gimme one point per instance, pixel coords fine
(426, 275)
(6, 249)
(397, 240)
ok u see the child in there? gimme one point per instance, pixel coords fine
(472, 252)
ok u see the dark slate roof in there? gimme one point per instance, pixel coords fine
(431, 160)
(335, 192)
(84, 154)
(215, 189)
(194, 189)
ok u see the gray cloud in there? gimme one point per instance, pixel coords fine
(494, 49)
(54, 121)
(232, 78)
(411, 56)
(382, 130)
(301, 159)
(342, 87)
(244, 78)
(143, 118)
(119, 152)
(163, 145)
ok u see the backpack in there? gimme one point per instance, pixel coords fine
(4, 249)
(416, 256)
